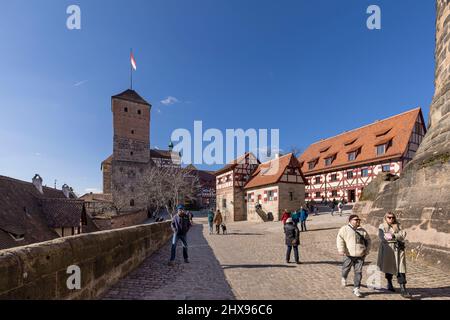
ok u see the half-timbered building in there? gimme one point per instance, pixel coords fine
(275, 185)
(340, 167)
(230, 182)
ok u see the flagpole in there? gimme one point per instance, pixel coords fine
(131, 69)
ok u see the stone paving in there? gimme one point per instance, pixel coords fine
(249, 263)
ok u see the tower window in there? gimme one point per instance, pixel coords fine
(125, 109)
(131, 153)
(139, 111)
(132, 131)
(132, 203)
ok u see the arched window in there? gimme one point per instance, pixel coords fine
(139, 111)
(132, 203)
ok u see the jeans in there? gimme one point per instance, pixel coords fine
(401, 278)
(304, 226)
(175, 239)
(288, 253)
(218, 228)
(210, 223)
(357, 263)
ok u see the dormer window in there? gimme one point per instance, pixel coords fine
(329, 159)
(312, 163)
(383, 132)
(381, 149)
(383, 146)
(352, 156)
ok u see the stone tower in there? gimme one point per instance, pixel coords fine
(421, 197)
(131, 151)
(131, 121)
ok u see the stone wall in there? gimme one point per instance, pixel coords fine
(420, 197)
(39, 271)
(121, 221)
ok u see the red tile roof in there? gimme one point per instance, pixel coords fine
(397, 128)
(232, 164)
(270, 172)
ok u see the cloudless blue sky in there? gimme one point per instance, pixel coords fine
(310, 68)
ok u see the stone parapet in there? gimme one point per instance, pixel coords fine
(39, 271)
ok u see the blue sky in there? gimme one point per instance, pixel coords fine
(309, 68)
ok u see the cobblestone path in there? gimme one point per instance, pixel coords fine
(249, 263)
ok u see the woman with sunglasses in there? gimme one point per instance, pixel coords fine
(391, 253)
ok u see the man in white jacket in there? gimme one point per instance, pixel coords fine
(353, 242)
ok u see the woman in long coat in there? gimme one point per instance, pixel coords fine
(218, 220)
(391, 253)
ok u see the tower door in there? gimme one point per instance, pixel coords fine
(352, 195)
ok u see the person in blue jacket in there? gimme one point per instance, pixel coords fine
(296, 217)
(210, 221)
(303, 218)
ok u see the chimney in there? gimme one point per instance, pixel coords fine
(66, 190)
(37, 182)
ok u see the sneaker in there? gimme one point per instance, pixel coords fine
(357, 293)
(343, 282)
(186, 261)
(171, 263)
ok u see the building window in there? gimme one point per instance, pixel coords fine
(349, 174)
(270, 195)
(317, 194)
(132, 203)
(291, 196)
(249, 197)
(352, 156)
(333, 177)
(317, 179)
(125, 109)
(132, 131)
(328, 161)
(139, 111)
(334, 193)
(386, 168)
(311, 165)
(307, 195)
(381, 149)
(131, 153)
(364, 172)
(224, 203)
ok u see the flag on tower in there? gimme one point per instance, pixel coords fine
(133, 62)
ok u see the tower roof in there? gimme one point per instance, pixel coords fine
(131, 95)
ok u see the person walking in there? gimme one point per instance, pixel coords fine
(391, 253)
(340, 207)
(286, 215)
(292, 237)
(180, 226)
(210, 220)
(333, 207)
(296, 216)
(218, 221)
(353, 243)
(303, 218)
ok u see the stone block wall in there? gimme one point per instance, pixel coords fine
(39, 271)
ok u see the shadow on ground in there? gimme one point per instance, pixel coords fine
(202, 278)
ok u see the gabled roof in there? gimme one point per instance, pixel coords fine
(234, 163)
(270, 172)
(397, 128)
(24, 211)
(131, 95)
(63, 212)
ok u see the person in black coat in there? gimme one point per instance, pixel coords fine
(292, 240)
